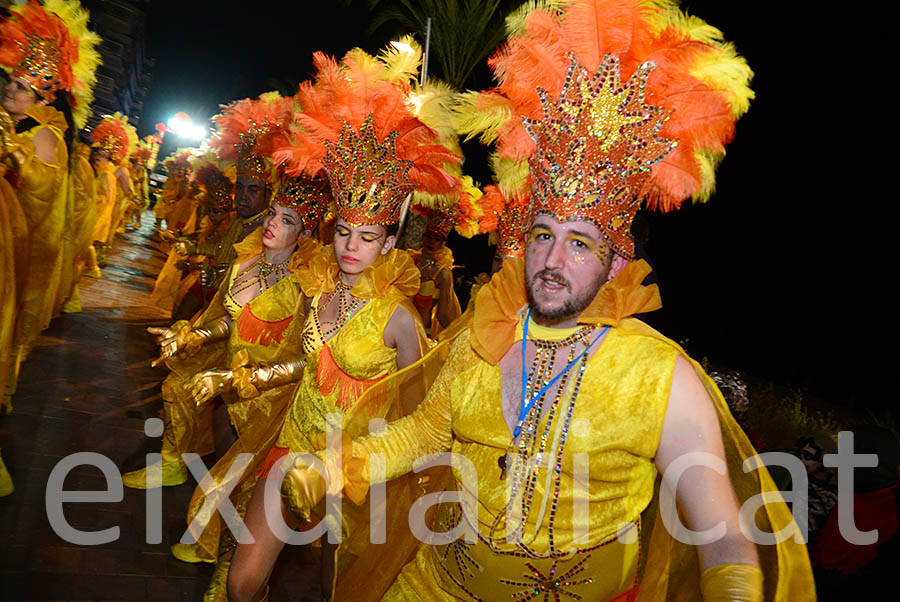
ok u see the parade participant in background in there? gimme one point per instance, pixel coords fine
(555, 377)
(113, 139)
(247, 134)
(141, 160)
(84, 220)
(361, 325)
(49, 54)
(176, 202)
(185, 262)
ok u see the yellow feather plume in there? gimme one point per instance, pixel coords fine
(84, 69)
(473, 116)
(402, 60)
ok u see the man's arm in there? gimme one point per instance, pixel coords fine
(705, 497)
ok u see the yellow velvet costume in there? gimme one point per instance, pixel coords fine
(42, 190)
(340, 369)
(612, 424)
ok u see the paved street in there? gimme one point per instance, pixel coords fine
(88, 387)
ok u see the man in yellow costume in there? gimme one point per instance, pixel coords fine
(560, 409)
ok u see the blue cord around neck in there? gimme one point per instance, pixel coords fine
(524, 409)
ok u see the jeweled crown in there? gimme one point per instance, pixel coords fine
(368, 181)
(595, 146)
(309, 197)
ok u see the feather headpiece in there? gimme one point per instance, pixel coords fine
(360, 125)
(52, 49)
(309, 197)
(250, 130)
(609, 102)
(179, 159)
(116, 136)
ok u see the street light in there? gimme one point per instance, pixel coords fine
(183, 126)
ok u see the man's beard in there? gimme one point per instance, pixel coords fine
(573, 306)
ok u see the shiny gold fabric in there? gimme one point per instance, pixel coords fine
(42, 190)
(616, 421)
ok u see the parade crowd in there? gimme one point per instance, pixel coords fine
(341, 362)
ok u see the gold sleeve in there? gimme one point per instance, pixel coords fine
(732, 583)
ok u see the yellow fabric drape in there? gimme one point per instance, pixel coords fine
(80, 234)
(105, 189)
(42, 190)
(13, 268)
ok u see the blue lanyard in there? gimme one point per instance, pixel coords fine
(524, 409)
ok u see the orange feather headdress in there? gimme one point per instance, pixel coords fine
(309, 197)
(250, 130)
(52, 49)
(609, 102)
(359, 124)
(116, 136)
(181, 159)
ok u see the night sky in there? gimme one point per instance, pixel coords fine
(780, 274)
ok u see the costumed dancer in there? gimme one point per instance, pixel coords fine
(248, 130)
(184, 263)
(361, 325)
(265, 358)
(142, 160)
(49, 54)
(84, 202)
(176, 202)
(113, 139)
(567, 408)
(436, 299)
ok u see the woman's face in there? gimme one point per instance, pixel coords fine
(432, 242)
(18, 97)
(281, 228)
(357, 247)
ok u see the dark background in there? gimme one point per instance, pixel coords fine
(782, 274)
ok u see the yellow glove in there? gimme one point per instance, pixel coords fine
(9, 143)
(211, 332)
(732, 583)
(302, 490)
(210, 383)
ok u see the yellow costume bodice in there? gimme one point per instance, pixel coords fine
(339, 370)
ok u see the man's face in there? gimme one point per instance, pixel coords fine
(565, 265)
(251, 196)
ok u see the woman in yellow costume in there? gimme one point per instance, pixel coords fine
(265, 355)
(177, 202)
(568, 409)
(180, 273)
(51, 58)
(113, 139)
(361, 325)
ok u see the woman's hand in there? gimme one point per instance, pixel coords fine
(209, 384)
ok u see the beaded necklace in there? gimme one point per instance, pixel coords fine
(264, 269)
(530, 449)
(347, 307)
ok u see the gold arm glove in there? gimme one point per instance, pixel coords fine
(302, 490)
(212, 332)
(210, 383)
(184, 247)
(732, 583)
(250, 380)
